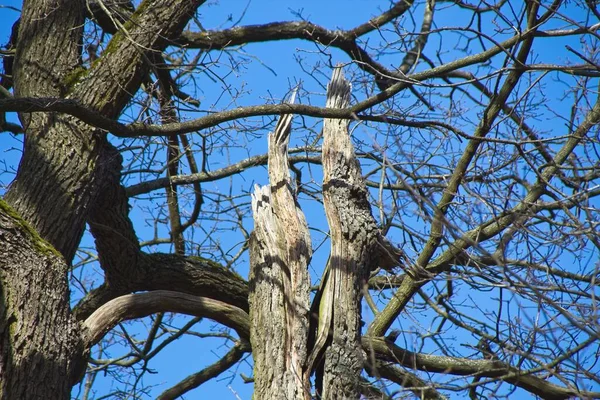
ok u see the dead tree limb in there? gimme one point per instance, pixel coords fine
(357, 246)
(280, 251)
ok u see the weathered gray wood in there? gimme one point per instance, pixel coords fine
(356, 245)
(280, 250)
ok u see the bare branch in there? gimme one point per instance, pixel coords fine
(193, 381)
(462, 366)
(143, 304)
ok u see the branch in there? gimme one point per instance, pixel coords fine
(387, 351)
(344, 40)
(143, 304)
(148, 186)
(218, 40)
(484, 261)
(112, 80)
(91, 116)
(212, 371)
(408, 380)
(439, 223)
(191, 275)
(110, 13)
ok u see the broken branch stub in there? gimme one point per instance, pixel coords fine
(280, 251)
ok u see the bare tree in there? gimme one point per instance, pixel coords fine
(453, 156)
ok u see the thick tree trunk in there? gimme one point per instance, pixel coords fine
(51, 191)
(65, 167)
(41, 352)
(279, 282)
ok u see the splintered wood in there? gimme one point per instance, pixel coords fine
(280, 251)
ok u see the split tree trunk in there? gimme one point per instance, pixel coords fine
(280, 248)
(280, 251)
(354, 242)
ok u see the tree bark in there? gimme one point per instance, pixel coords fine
(66, 165)
(57, 158)
(41, 351)
(354, 241)
(279, 282)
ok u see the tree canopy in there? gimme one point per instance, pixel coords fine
(377, 200)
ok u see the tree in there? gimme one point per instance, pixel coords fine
(457, 167)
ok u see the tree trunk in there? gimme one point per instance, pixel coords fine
(279, 282)
(41, 352)
(354, 252)
(66, 165)
(280, 250)
(50, 191)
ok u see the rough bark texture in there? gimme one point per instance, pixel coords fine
(279, 281)
(63, 166)
(41, 352)
(67, 174)
(58, 157)
(116, 242)
(354, 236)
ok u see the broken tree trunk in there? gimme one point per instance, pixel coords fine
(279, 281)
(357, 247)
(280, 251)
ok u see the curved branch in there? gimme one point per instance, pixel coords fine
(413, 54)
(143, 304)
(218, 40)
(344, 40)
(191, 275)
